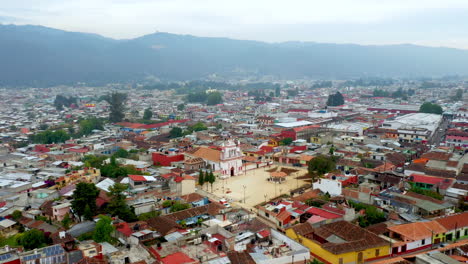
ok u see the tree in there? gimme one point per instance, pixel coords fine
(321, 165)
(372, 216)
(335, 99)
(121, 153)
(167, 203)
(94, 161)
(178, 206)
(176, 132)
(118, 205)
(430, 108)
(88, 125)
(43, 126)
(211, 179)
(214, 98)
(32, 239)
(286, 141)
(148, 114)
(88, 214)
(103, 230)
(66, 221)
(49, 137)
(271, 94)
(149, 215)
(16, 215)
(277, 91)
(84, 195)
(180, 107)
(116, 104)
(61, 101)
(199, 126)
(332, 150)
(458, 95)
(201, 178)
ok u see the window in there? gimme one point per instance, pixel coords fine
(267, 215)
(423, 242)
(466, 232)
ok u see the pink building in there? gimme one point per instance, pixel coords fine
(60, 210)
(457, 138)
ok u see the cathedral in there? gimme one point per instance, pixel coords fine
(225, 159)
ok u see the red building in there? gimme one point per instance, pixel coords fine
(161, 159)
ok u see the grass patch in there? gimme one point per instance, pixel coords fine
(11, 241)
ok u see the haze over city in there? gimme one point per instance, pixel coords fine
(233, 132)
(422, 22)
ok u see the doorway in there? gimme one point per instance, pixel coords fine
(232, 171)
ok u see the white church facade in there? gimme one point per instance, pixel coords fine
(225, 159)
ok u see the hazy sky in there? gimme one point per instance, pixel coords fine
(426, 22)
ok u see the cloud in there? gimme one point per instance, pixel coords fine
(369, 21)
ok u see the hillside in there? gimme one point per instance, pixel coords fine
(44, 56)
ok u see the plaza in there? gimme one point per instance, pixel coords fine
(256, 186)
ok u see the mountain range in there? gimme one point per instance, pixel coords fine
(37, 55)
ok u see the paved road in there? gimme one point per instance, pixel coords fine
(439, 134)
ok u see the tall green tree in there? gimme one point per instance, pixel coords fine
(117, 106)
(277, 91)
(201, 178)
(335, 99)
(430, 108)
(211, 179)
(458, 95)
(103, 230)
(214, 98)
(180, 107)
(148, 114)
(118, 205)
(176, 132)
(84, 195)
(88, 214)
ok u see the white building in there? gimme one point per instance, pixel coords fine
(333, 187)
(226, 160)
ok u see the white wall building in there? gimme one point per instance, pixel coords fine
(333, 187)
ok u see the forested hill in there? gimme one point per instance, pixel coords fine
(36, 55)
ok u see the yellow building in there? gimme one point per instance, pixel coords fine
(89, 175)
(340, 242)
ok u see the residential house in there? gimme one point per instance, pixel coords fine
(416, 236)
(60, 210)
(340, 242)
(456, 226)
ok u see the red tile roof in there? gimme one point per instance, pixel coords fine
(137, 177)
(454, 221)
(124, 229)
(322, 213)
(178, 258)
(441, 182)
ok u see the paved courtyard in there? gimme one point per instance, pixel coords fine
(257, 187)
